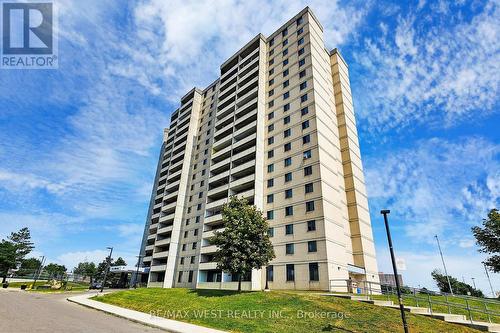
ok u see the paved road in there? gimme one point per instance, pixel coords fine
(36, 312)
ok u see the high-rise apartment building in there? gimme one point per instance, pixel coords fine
(278, 128)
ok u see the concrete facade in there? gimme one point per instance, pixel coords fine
(277, 128)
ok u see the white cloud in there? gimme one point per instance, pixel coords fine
(437, 186)
(439, 70)
(71, 259)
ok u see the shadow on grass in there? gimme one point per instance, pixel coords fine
(216, 292)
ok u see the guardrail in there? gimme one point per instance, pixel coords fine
(473, 307)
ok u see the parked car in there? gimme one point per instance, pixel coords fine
(95, 285)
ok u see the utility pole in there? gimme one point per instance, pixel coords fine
(137, 271)
(398, 287)
(489, 281)
(108, 261)
(474, 283)
(38, 272)
(444, 265)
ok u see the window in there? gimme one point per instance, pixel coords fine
(271, 42)
(193, 257)
(270, 232)
(270, 182)
(271, 92)
(312, 246)
(286, 107)
(285, 62)
(287, 132)
(284, 32)
(271, 62)
(286, 83)
(301, 30)
(271, 72)
(286, 120)
(302, 73)
(309, 188)
(270, 198)
(270, 214)
(270, 128)
(270, 104)
(197, 219)
(305, 124)
(190, 276)
(303, 98)
(306, 139)
(289, 212)
(302, 62)
(309, 206)
(270, 140)
(270, 115)
(185, 234)
(200, 195)
(300, 41)
(187, 221)
(182, 260)
(285, 52)
(303, 85)
(271, 52)
(270, 153)
(304, 111)
(198, 207)
(300, 20)
(311, 225)
(270, 168)
(183, 247)
(313, 271)
(307, 154)
(271, 82)
(288, 161)
(288, 177)
(194, 246)
(285, 72)
(288, 193)
(286, 95)
(270, 273)
(195, 233)
(290, 272)
(179, 279)
(289, 229)
(289, 249)
(285, 42)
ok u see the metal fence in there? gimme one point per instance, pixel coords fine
(475, 308)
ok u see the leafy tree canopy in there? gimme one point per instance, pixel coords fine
(459, 288)
(488, 238)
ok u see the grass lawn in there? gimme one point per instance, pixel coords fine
(71, 286)
(457, 302)
(275, 311)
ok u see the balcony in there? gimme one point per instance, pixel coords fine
(219, 167)
(210, 233)
(221, 154)
(163, 254)
(215, 204)
(162, 242)
(164, 230)
(222, 143)
(208, 249)
(150, 247)
(169, 208)
(246, 130)
(214, 219)
(151, 236)
(169, 217)
(225, 110)
(159, 268)
(147, 259)
(244, 153)
(242, 183)
(207, 266)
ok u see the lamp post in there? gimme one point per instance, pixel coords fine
(474, 282)
(137, 271)
(385, 212)
(444, 265)
(108, 261)
(267, 278)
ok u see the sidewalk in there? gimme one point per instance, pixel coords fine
(141, 317)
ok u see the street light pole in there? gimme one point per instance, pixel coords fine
(474, 283)
(444, 265)
(398, 287)
(108, 260)
(137, 271)
(267, 278)
(489, 281)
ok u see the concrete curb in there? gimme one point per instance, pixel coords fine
(141, 317)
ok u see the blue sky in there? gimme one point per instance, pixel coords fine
(79, 145)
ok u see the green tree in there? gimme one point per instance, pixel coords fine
(488, 238)
(244, 243)
(22, 242)
(86, 269)
(29, 267)
(55, 271)
(7, 258)
(459, 288)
